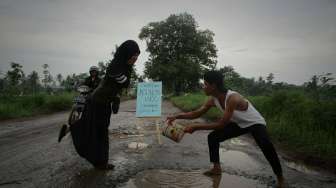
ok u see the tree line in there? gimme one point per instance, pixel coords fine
(180, 52)
(16, 82)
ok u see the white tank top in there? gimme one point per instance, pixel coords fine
(243, 118)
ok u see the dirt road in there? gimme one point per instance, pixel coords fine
(31, 157)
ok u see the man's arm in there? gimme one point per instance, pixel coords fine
(193, 114)
(230, 107)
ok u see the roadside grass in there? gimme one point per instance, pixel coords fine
(30, 105)
(293, 119)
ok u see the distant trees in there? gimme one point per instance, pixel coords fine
(247, 86)
(134, 78)
(231, 78)
(2, 84)
(269, 79)
(14, 81)
(14, 78)
(321, 86)
(16, 74)
(47, 79)
(179, 52)
(59, 78)
(71, 82)
(252, 87)
(102, 67)
(33, 82)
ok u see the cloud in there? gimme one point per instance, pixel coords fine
(241, 50)
(72, 35)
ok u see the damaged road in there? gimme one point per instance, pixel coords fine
(31, 157)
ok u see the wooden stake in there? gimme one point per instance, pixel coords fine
(158, 132)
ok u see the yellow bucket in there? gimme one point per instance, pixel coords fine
(175, 131)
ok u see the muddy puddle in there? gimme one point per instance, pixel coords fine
(242, 167)
(238, 160)
(301, 167)
(238, 142)
(188, 179)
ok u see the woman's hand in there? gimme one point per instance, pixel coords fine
(189, 129)
(170, 119)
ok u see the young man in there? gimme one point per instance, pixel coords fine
(93, 80)
(239, 117)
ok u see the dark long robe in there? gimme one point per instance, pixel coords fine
(90, 133)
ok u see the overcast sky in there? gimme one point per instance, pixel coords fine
(293, 39)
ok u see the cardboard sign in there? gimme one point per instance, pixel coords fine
(149, 99)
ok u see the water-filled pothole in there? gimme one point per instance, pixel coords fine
(187, 179)
(238, 160)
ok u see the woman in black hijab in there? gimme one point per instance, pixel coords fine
(90, 133)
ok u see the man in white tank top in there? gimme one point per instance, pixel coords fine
(239, 117)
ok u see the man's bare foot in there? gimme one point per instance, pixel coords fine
(213, 172)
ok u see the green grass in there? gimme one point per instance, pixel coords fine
(25, 106)
(293, 119)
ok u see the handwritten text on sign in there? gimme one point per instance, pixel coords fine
(149, 99)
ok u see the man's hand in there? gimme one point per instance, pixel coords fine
(189, 129)
(170, 119)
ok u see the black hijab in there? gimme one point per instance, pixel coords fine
(119, 63)
(125, 51)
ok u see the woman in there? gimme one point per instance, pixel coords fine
(90, 133)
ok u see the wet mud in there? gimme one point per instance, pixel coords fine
(31, 157)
